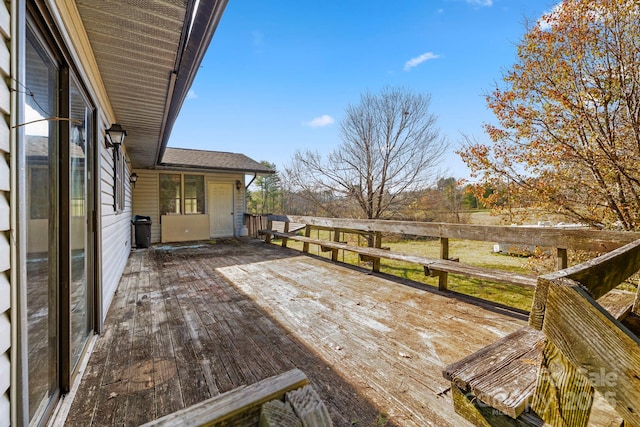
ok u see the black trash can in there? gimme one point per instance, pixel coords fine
(142, 225)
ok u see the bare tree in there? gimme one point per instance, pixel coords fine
(390, 148)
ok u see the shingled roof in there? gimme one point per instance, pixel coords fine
(211, 160)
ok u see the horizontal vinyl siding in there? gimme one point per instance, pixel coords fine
(145, 200)
(5, 332)
(5, 292)
(115, 230)
(5, 214)
(5, 410)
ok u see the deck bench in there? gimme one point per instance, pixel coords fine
(502, 376)
(432, 266)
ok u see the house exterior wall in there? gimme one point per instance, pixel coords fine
(115, 227)
(185, 228)
(146, 202)
(5, 215)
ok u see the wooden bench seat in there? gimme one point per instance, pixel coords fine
(238, 407)
(503, 375)
(432, 265)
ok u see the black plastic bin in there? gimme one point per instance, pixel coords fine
(142, 225)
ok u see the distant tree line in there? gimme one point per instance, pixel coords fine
(446, 200)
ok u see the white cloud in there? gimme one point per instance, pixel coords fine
(192, 94)
(321, 121)
(543, 22)
(414, 62)
(487, 3)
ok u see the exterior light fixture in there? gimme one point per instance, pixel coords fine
(238, 185)
(115, 136)
(133, 178)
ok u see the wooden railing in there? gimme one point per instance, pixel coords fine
(254, 223)
(546, 237)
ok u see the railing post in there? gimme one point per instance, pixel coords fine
(443, 277)
(377, 243)
(267, 237)
(286, 230)
(336, 238)
(561, 259)
(307, 233)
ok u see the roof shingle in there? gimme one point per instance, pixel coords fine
(215, 160)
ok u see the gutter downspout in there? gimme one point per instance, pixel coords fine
(255, 175)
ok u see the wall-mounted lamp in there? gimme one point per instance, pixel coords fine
(238, 184)
(115, 136)
(133, 179)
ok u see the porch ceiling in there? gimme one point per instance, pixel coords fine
(148, 52)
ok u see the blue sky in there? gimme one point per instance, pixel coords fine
(279, 75)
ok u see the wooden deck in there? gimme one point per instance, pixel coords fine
(191, 321)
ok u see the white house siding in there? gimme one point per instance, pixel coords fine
(115, 227)
(146, 195)
(5, 215)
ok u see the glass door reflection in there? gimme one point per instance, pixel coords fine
(80, 133)
(41, 158)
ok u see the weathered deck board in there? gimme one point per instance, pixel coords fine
(191, 322)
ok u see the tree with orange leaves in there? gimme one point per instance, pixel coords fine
(567, 137)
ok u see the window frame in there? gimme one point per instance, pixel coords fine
(196, 199)
(182, 199)
(177, 201)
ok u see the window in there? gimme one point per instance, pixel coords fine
(176, 188)
(193, 194)
(170, 192)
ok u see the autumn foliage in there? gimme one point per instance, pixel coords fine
(567, 137)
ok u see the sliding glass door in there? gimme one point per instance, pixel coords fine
(41, 143)
(80, 149)
(56, 146)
